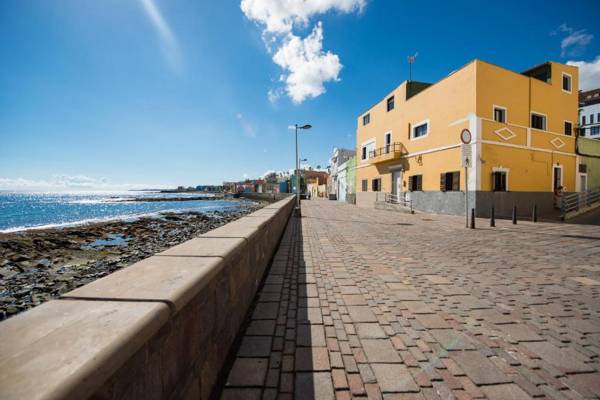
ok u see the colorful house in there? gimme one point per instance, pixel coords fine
(522, 147)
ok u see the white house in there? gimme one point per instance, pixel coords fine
(589, 113)
(338, 173)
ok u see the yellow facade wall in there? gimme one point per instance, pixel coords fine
(528, 170)
(466, 99)
(441, 104)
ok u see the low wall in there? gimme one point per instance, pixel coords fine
(265, 196)
(503, 203)
(366, 199)
(159, 329)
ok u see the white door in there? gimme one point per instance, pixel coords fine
(397, 182)
(582, 182)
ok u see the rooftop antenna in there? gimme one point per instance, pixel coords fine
(411, 60)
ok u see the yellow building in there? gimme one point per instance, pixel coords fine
(522, 128)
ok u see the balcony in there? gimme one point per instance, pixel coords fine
(392, 151)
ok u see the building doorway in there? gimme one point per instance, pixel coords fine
(556, 178)
(583, 182)
(397, 182)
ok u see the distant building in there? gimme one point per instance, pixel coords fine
(337, 183)
(589, 113)
(210, 188)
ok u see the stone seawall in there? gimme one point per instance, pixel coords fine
(161, 328)
(265, 196)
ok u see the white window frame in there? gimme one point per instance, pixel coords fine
(541, 115)
(494, 106)
(506, 171)
(562, 175)
(572, 127)
(415, 126)
(385, 136)
(570, 82)
(365, 144)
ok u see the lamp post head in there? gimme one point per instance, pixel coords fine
(307, 126)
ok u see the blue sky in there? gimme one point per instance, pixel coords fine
(114, 93)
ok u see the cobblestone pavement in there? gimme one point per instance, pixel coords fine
(366, 303)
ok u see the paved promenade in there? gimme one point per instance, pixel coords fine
(365, 303)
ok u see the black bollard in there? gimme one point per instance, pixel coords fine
(492, 218)
(534, 213)
(472, 218)
(514, 215)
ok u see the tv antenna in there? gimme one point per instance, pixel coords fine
(411, 60)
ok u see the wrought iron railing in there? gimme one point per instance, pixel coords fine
(391, 148)
(391, 198)
(577, 201)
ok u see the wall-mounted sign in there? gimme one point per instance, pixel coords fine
(465, 136)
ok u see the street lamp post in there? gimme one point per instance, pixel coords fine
(297, 210)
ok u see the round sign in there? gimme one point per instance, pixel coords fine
(465, 136)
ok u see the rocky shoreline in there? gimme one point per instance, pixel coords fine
(38, 265)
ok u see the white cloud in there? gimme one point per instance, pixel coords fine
(168, 42)
(280, 16)
(69, 182)
(306, 67)
(589, 73)
(575, 42)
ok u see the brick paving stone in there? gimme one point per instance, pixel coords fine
(361, 314)
(255, 346)
(354, 299)
(565, 359)
(479, 368)
(588, 385)
(265, 311)
(379, 304)
(393, 378)
(520, 333)
(241, 394)
(406, 295)
(310, 335)
(310, 386)
(248, 372)
(584, 325)
(380, 351)
(451, 339)
(437, 280)
(261, 327)
(505, 392)
(417, 307)
(312, 359)
(432, 321)
(370, 331)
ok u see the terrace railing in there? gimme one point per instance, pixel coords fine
(578, 201)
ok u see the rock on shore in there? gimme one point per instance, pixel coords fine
(38, 265)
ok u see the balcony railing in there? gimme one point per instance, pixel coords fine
(388, 152)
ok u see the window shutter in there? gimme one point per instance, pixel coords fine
(456, 181)
(443, 182)
(420, 183)
(410, 183)
(409, 130)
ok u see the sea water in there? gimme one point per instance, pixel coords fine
(36, 210)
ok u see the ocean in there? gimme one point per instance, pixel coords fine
(35, 210)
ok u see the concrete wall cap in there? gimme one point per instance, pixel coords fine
(172, 280)
(66, 349)
(206, 246)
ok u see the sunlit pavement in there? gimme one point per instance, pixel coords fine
(378, 304)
